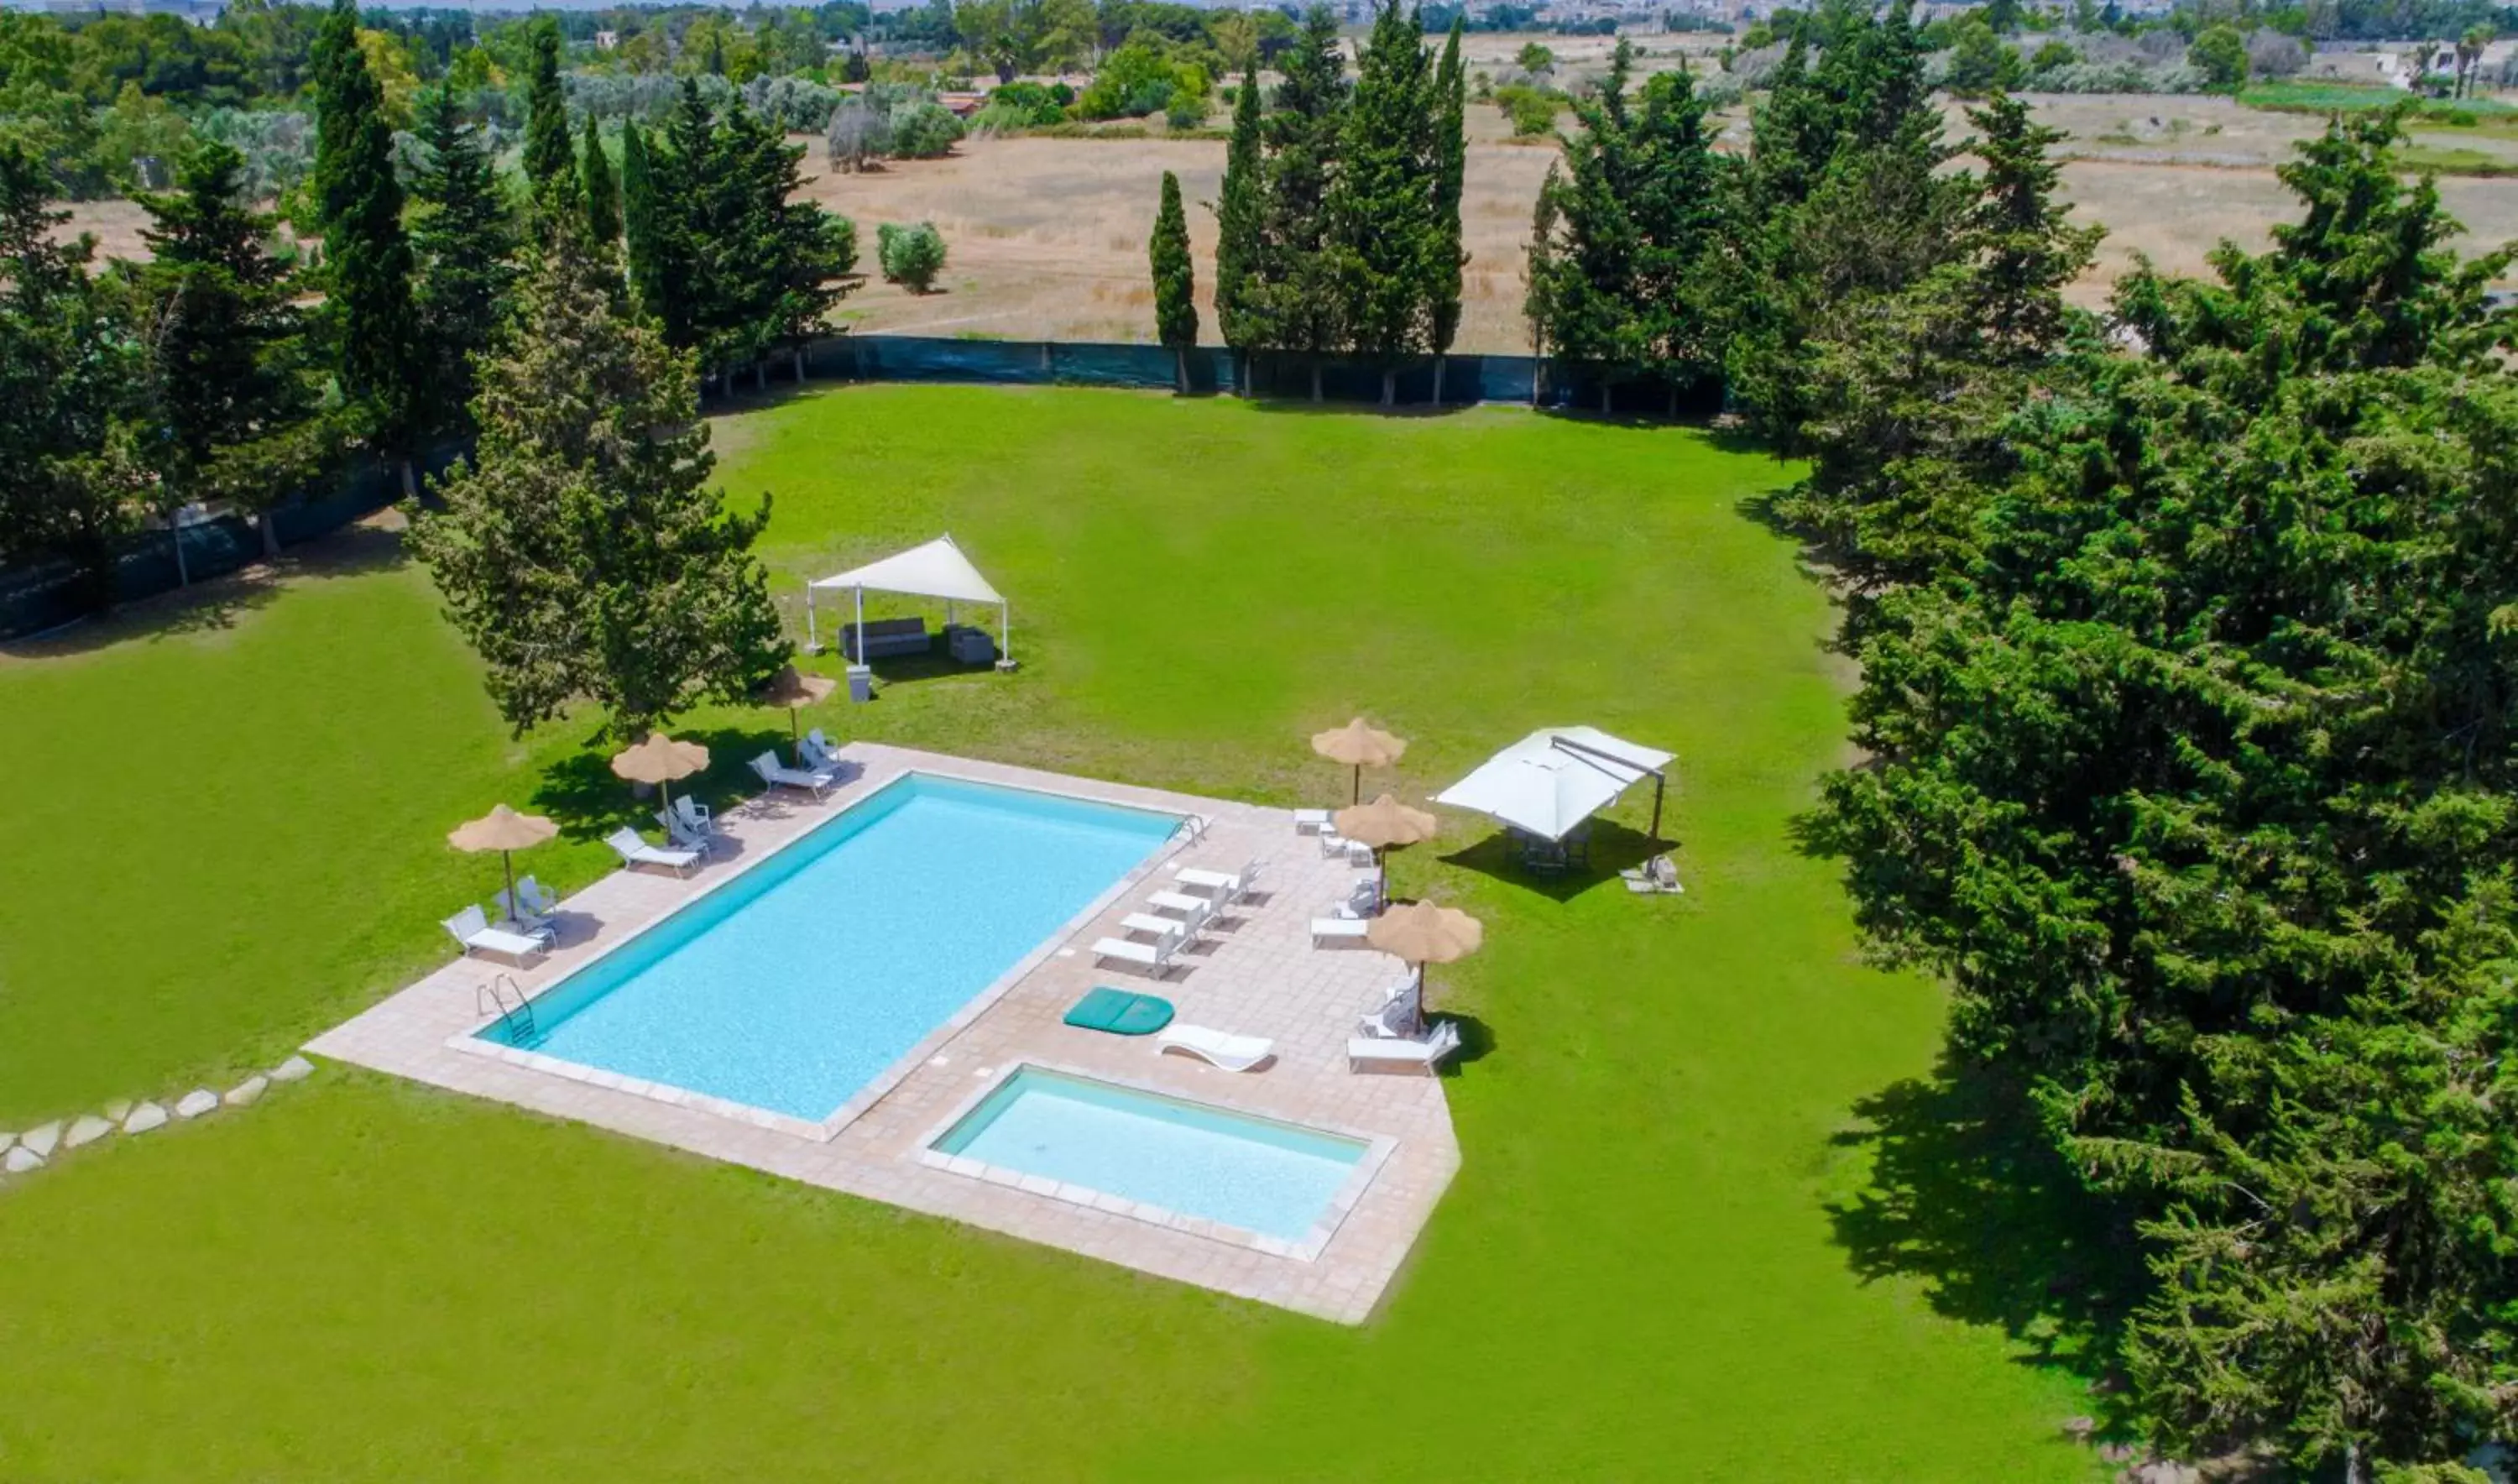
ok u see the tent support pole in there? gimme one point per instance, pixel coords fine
(813, 641)
(1660, 781)
(1006, 633)
(860, 657)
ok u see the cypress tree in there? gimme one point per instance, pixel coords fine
(639, 213)
(464, 235)
(368, 259)
(1240, 221)
(1445, 258)
(1381, 202)
(1175, 279)
(786, 254)
(233, 389)
(1297, 289)
(602, 199)
(550, 159)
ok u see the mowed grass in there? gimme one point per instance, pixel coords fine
(1645, 1268)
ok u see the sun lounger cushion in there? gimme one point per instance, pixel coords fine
(1119, 1012)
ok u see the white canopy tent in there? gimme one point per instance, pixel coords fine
(1558, 776)
(937, 569)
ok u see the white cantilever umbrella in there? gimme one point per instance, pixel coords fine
(1555, 778)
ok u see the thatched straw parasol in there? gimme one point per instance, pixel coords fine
(1422, 932)
(1358, 746)
(794, 689)
(1385, 822)
(502, 830)
(660, 760)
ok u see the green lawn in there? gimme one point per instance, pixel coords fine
(1675, 1249)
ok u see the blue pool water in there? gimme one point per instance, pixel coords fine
(1260, 1175)
(798, 983)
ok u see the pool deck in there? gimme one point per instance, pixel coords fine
(1256, 975)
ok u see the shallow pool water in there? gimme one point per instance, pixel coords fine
(1275, 1179)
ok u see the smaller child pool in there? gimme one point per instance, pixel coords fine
(1274, 1179)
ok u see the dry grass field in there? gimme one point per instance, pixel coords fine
(1047, 236)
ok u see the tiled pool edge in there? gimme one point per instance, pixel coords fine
(1378, 1151)
(470, 1042)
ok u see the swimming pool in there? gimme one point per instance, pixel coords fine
(1179, 1158)
(799, 982)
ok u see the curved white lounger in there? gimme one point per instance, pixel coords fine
(1232, 1053)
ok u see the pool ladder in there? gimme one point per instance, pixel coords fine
(516, 1011)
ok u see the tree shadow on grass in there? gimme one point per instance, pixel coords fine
(216, 604)
(1967, 1196)
(588, 800)
(1615, 848)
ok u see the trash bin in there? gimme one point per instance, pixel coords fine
(860, 682)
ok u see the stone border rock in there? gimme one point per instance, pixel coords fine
(41, 1147)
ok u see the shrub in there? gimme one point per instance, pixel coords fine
(1137, 80)
(2220, 54)
(2271, 53)
(2052, 55)
(859, 131)
(912, 257)
(1719, 90)
(924, 130)
(797, 105)
(1532, 111)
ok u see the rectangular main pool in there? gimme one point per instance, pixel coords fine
(1275, 1179)
(795, 984)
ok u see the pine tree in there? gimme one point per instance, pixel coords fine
(1381, 202)
(463, 233)
(1446, 259)
(373, 326)
(2029, 252)
(1240, 222)
(232, 386)
(602, 200)
(582, 551)
(67, 370)
(550, 157)
(1297, 287)
(1174, 281)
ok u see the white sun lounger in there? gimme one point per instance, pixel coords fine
(1156, 955)
(1182, 903)
(1232, 1053)
(1311, 821)
(536, 899)
(1400, 1016)
(683, 832)
(471, 928)
(1227, 888)
(515, 917)
(1338, 930)
(1334, 844)
(1372, 1054)
(635, 852)
(817, 781)
(818, 755)
(1158, 927)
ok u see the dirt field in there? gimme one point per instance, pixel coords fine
(1047, 236)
